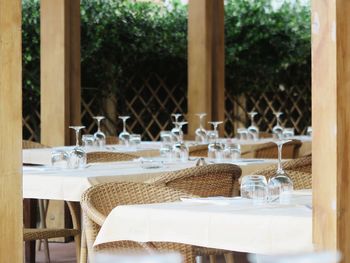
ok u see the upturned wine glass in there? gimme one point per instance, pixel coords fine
(277, 130)
(280, 186)
(215, 148)
(77, 157)
(166, 148)
(176, 131)
(201, 133)
(253, 129)
(124, 136)
(180, 149)
(100, 137)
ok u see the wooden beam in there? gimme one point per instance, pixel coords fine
(60, 82)
(11, 219)
(331, 124)
(206, 83)
(60, 70)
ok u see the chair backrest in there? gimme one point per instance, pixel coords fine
(290, 150)
(299, 170)
(204, 181)
(112, 140)
(98, 201)
(103, 157)
(199, 150)
(32, 145)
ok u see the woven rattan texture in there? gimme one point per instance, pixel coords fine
(47, 233)
(204, 181)
(32, 145)
(199, 150)
(104, 157)
(98, 201)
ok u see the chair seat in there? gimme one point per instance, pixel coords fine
(47, 233)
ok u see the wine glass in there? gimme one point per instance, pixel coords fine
(242, 134)
(288, 133)
(60, 158)
(309, 131)
(176, 131)
(180, 149)
(254, 187)
(88, 141)
(253, 129)
(100, 137)
(277, 130)
(232, 151)
(166, 138)
(124, 136)
(77, 157)
(280, 186)
(215, 148)
(201, 133)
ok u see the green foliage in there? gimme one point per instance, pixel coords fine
(265, 48)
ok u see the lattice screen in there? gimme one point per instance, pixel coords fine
(151, 100)
(294, 102)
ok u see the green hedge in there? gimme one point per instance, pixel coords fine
(266, 49)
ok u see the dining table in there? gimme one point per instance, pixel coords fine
(234, 224)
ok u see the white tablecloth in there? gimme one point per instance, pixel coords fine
(237, 226)
(69, 184)
(43, 155)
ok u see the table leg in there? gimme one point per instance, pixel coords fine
(29, 216)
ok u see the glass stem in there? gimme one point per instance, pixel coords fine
(279, 166)
(124, 125)
(98, 125)
(77, 138)
(201, 123)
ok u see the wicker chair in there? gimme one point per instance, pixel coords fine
(299, 170)
(104, 157)
(269, 150)
(204, 181)
(98, 201)
(199, 150)
(112, 140)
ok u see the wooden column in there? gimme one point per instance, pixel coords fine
(60, 70)
(11, 214)
(60, 82)
(206, 62)
(331, 124)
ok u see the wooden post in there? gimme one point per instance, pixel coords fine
(11, 219)
(60, 70)
(331, 125)
(206, 84)
(60, 81)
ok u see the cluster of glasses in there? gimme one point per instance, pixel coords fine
(280, 132)
(252, 132)
(173, 146)
(277, 188)
(74, 159)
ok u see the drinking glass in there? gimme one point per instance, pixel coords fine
(77, 157)
(135, 139)
(309, 131)
(280, 186)
(124, 136)
(288, 132)
(60, 158)
(253, 129)
(88, 140)
(242, 134)
(180, 149)
(277, 130)
(212, 136)
(254, 187)
(166, 138)
(232, 151)
(201, 133)
(100, 137)
(215, 148)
